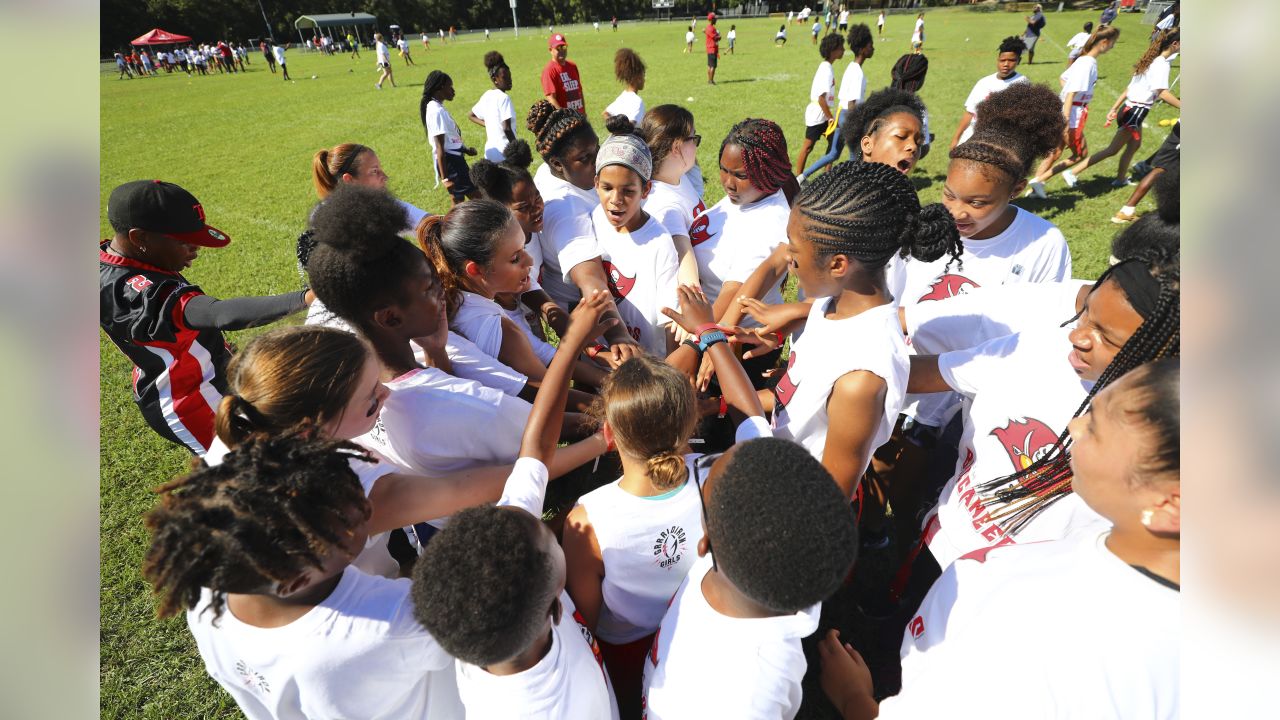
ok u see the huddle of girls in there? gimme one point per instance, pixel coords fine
(370, 445)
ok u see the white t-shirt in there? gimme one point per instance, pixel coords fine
(688, 36)
(853, 86)
(1020, 392)
(704, 664)
(404, 45)
(440, 122)
(384, 56)
(674, 206)
(843, 17)
(880, 20)
(479, 320)
(629, 104)
(435, 423)
(567, 236)
(981, 90)
(543, 349)
(1145, 88)
(648, 544)
(568, 682)
(733, 35)
(1109, 650)
(824, 83)
(986, 313)
(828, 350)
(1079, 79)
(731, 241)
(359, 653)
(1166, 22)
(917, 35)
(641, 268)
(494, 107)
(278, 51)
(1076, 44)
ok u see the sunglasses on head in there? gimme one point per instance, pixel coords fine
(701, 468)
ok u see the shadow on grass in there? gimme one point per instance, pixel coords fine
(738, 80)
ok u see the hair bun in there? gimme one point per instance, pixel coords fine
(932, 234)
(493, 60)
(538, 117)
(620, 125)
(359, 219)
(518, 154)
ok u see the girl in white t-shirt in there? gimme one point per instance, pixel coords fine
(1077, 41)
(1008, 55)
(688, 39)
(638, 253)
(1150, 82)
(445, 137)
(494, 111)
(385, 287)
(1077, 90)
(384, 61)
(846, 377)
(358, 164)
(819, 120)
(571, 256)
(257, 551)
(917, 35)
(1112, 649)
(629, 69)
(673, 201)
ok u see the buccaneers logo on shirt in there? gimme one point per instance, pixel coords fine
(947, 286)
(698, 232)
(620, 285)
(1025, 441)
(786, 387)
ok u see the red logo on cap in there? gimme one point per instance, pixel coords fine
(199, 211)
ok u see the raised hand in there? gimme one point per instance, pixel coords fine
(695, 310)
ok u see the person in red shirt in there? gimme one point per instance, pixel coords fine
(560, 80)
(713, 48)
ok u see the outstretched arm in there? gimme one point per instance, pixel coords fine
(855, 411)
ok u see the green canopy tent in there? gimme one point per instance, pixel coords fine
(342, 21)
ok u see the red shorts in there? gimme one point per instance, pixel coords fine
(1075, 135)
(625, 665)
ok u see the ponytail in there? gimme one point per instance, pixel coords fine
(329, 165)
(468, 233)
(652, 411)
(1105, 32)
(429, 234)
(1163, 40)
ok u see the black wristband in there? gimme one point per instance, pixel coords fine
(693, 344)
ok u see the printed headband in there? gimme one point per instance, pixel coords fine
(627, 150)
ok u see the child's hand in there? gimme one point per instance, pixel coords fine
(846, 679)
(622, 352)
(695, 311)
(772, 318)
(585, 323)
(759, 344)
(469, 151)
(448, 184)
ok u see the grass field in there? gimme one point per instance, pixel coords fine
(243, 145)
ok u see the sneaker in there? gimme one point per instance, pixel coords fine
(1069, 178)
(1123, 218)
(1123, 182)
(1036, 188)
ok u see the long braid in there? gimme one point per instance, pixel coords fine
(273, 508)
(870, 211)
(436, 79)
(764, 152)
(554, 127)
(1031, 491)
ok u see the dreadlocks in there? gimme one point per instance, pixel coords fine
(1032, 490)
(272, 509)
(764, 152)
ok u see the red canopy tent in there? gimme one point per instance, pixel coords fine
(160, 37)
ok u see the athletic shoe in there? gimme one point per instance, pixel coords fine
(1123, 218)
(1069, 178)
(1036, 188)
(1119, 183)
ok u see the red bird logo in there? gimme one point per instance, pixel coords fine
(786, 388)
(948, 286)
(1025, 441)
(620, 285)
(698, 231)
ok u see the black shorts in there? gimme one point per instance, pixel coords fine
(813, 133)
(1131, 117)
(456, 171)
(713, 59)
(384, 66)
(844, 26)
(1168, 155)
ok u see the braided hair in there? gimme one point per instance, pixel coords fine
(1031, 491)
(554, 129)
(1015, 127)
(909, 72)
(869, 117)
(764, 153)
(271, 510)
(870, 212)
(435, 80)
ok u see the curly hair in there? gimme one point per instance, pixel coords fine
(360, 262)
(628, 68)
(1016, 126)
(1012, 44)
(653, 412)
(764, 152)
(273, 508)
(780, 529)
(1153, 240)
(555, 128)
(494, 63)
(829, 45)
(859, 37)
(469, 232)
(869, 116)
(483, 586)
(1162, 41)
(870, 212)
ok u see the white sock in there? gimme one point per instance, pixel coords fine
(1128, 209)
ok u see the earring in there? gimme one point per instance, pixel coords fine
(1147, 517)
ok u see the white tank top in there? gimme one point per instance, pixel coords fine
(648, 546)
(830, 349)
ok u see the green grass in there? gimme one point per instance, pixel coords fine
(243, 145)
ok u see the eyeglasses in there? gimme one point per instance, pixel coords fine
(695, 139)
(702, 464)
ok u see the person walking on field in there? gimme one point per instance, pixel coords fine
(713, 48)
(384, 61)
(279, 53)
(266, 53)
(355, 46)
(404, 50)
(1035, 23)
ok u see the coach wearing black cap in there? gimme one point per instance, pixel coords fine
(168, 328)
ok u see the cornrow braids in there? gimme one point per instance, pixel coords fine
(870, 211)
(272, 509)
(1016, 126)
(554, 128)
(764, 152)
(1031, 491)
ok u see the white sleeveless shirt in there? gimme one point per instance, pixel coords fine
(648, 546)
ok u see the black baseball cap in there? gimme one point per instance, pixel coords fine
(162, 207)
